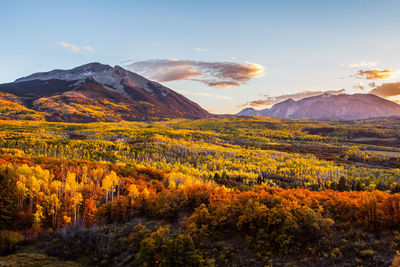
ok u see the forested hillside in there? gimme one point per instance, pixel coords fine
(260, 192)
(92, 92)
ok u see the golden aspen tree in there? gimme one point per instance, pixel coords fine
(54, 205)
(38, 216)
(109, 184)
(72, 188)
(22, 191)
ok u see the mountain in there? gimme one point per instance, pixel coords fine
(93, 92)
(343, 106)
(249, 112)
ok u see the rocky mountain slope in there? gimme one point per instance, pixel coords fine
(343, 106)
(93, 92)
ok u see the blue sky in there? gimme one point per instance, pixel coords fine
(303, 45)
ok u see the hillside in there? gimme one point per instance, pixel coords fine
(327, 106)
(94, 92)
(213, 192)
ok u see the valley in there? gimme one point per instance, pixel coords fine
(131, 190)
(200, 133)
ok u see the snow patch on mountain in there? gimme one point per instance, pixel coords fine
(112, 78)
(357, 106)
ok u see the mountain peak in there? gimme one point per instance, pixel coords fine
(248, 112)
(93, 66)
(99, 92)
(343, 106)
(75, 74)
(326, 95)
(289, 100)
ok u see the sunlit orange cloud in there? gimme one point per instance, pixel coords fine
(359, 85)
(168, 74)
(387, 90)
(223, 84)
(242, 72)
(374, 74)
(260, 103)
(256, 103)
(214, 74)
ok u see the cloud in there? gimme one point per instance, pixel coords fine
(156, 44)
(71, 47)
(89, 48)
(164, 72)
(363, 64)
(374, 74)
(127, 61)
(75, 48)
(214, 74)
(271, 100)
(386, 90)
(223, 97)
(222, 84)
(256, 103)
(389, 45)
(201, 50)
(359, 85)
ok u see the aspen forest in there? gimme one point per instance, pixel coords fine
(211, 192)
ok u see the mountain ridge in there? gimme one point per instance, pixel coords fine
(98, 92)
(328, 106)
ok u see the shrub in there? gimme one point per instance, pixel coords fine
(367, 253)
(9, 241)
(115, 211)
(336, 254)
(396, 260)
(164, 249)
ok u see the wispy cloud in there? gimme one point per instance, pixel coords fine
(223, 97)
(271, 100)
(214, 74)
(374, 74)
(127, 61)
(89, 48)
(156, 44)
(71, 47)
(75, 48)
(363, 64)
(389, 45)
(222, 84)
(200, 50)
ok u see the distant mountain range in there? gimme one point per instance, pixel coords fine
(97, 92)
(327, 106)
(93, 92)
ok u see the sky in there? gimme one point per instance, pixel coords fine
(224, 55)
